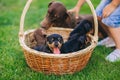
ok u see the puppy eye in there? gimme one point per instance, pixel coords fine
(44, 35)
(55, 15)
(52, 39)
(59, 39)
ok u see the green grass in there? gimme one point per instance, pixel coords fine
(12, 62)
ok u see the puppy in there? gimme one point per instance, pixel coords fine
(53, 44)
(36, 38)
(82, 28)
(57, 16)
(78, 38)
(74, 44)
(40, 36)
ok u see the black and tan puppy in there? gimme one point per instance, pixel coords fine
(82, 28)
(74, 44)
(53, 44)
(78, 38)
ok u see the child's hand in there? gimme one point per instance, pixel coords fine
(75, 11)
(108, 10)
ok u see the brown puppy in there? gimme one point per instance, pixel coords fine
(37, 38)
(57, 16)
(40, 36)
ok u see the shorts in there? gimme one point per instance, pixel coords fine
(113, 20)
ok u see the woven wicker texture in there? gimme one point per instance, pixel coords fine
(51, 63)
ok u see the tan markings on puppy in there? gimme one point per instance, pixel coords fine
(51, 46)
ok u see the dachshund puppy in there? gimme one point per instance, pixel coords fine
(74, 44)
(36, 38)
(40, 36)
(82, 28)
(53, 44)
(78, 38)
(57, 16)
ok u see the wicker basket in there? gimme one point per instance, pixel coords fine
(57, 64)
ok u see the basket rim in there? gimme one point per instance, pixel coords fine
(39, 53)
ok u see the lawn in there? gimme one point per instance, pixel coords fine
(12, 62)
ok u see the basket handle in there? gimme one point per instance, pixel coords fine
(21, 31)
(95, 37)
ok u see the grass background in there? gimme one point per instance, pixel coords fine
(12, 62)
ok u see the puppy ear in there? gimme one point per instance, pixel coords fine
(70, 19)
(50, 3)
(62, 41)
(66, 15)
(67, 18)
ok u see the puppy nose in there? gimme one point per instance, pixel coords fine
(43, 27)
(45, 23)
(56, 44)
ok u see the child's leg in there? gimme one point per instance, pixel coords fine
(112, 22)
(115, 34)
(115, 55)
